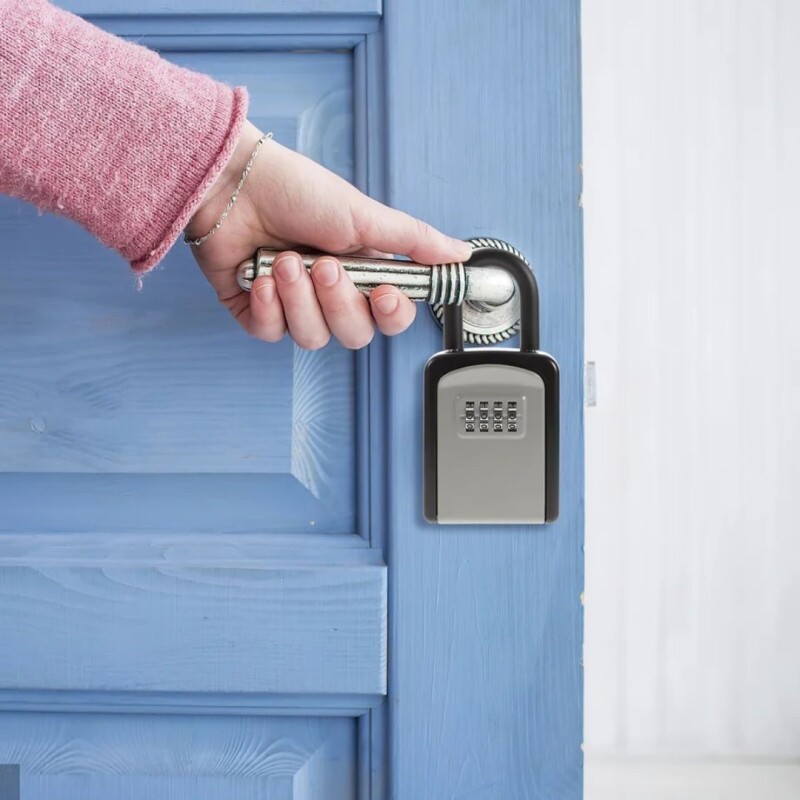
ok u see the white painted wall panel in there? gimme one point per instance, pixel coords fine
(692, 174)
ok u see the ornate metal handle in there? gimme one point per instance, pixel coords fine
(491, 307)
(444, 283)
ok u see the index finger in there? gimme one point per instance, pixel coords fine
(395, 231)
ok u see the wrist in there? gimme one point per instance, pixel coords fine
(219, 193)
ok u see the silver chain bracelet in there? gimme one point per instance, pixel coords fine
(233, 196)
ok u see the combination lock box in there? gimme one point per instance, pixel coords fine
(491, 419)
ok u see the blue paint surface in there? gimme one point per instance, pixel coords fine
(167, 8)
(188, 605)
(132, 756)
(486, 623)
(193, 592)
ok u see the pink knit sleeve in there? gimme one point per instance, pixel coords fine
(107, 132)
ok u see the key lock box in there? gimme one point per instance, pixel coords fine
(491, 414)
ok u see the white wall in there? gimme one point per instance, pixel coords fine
(692, 224)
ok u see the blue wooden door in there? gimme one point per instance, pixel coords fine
(215, 578)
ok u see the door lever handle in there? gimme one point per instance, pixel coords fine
(491, 306)
(443, 283)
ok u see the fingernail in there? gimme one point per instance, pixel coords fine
(325, 273)
(386, 303)
(266, 292)
(288, 269)
(464, 248)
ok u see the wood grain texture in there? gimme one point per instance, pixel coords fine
(238, 32)
(253, 704)
(322, 409)
(188, 549)
(127, 757)
(306, 99)
(153, 589)
(318, 630)
(373, 388)
(692, 120)
(180, 505)
(485, 678)
(486, 623)
(167, 8)
(76, 396)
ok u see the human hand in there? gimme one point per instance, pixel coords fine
(289, 200)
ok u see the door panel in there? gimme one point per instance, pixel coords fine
(295, 629)
(133, 756)
(189, 606)
(241, 437)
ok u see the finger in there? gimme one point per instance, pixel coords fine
(304, 317)
(346, 310)
(371, 252)
(266, 320)
(394, 231)
(392, 310)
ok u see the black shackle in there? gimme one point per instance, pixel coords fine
(519, 270)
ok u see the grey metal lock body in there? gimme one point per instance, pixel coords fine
(492, 418)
